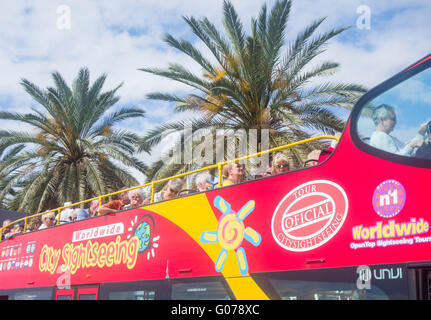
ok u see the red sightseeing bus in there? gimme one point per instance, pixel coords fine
(356, 226)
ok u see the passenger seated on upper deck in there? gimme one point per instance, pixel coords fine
(90, 212)
(74, 215)
(16, 230)
(33, 224)
(7, 229)
(234, 173)
(203, 182)
(137, 199)
(280, 164)
(47, 220)
(115, 205)
(173, 187)
(261, 172)
(312, 158)
(384, 119)
(66, 214)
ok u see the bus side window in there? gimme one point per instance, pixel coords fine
(199, 290)
(33, 294)
(334, 284)
(133, 295)
(139, 290)
(398, 121)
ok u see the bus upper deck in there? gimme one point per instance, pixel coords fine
(152, 185)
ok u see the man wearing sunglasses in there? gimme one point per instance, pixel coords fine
(280, 164)
(48, 220)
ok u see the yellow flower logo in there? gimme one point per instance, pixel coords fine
(231, 233)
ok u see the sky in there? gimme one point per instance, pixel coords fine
(411, 100)
(119, 37)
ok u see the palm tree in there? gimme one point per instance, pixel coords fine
(74, 152)
(9, 162)
(256, 81)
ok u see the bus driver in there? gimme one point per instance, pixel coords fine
(385, 120)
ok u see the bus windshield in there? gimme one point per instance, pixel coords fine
(399, 120)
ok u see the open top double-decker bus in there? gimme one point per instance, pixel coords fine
(356, 226)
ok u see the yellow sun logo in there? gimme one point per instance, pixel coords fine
(231, 232)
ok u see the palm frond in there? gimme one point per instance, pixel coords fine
(257, 81)
(67, 157)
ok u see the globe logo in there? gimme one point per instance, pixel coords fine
(143, 229)
(143, 232)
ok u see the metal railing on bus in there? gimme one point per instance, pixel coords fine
(152, 184)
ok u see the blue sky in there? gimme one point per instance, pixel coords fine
(118, 37)
(411, 100)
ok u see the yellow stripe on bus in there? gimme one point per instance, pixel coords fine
(245, 288)
(194, 215)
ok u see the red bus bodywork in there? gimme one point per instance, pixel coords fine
(336, 214)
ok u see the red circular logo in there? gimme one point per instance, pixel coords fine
(309, 215)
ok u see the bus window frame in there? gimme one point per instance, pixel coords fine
(219, 279)
(87, 291)
(76, 290)
(341, 275)
(65, 292)
(400, 77)
(11, 293)
(161, 287)
(417, 272)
